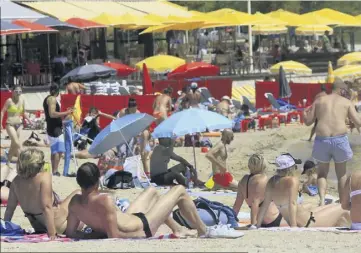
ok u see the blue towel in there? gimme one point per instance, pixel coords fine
(8, 228)
(286, 105)
(313, 190)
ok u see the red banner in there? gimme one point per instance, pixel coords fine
(217, 87)
(107, 104)
(4, 95)
(300, 91)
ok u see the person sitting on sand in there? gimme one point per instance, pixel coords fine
(282, 189)
(142, 218)
(32, 190)
(251, 188)
(224, 107)
(159, 172)
(194, 96)
(162, 105)
(352, 199)
(7, 175)
(218, 157)
(310, 186)
(331, 141)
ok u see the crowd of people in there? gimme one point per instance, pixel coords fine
(275, 201)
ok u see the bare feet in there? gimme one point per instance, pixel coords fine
(184, 232)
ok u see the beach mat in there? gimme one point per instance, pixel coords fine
(329, 229)
(38, 238)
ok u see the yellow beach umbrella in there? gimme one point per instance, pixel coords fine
(128, 20)
(263, 19)
(230, 17)
(313, 18)
(309, 30)
(107, 19)
(351, 58)
(268, 29)
(358, 17)
(289, 17)
(337, 17)
(291, 67)
(161, 63)
(330, 76)
(348, 72)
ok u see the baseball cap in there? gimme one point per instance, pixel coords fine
(226, 98)
(284, 162)
(307, 166)
(297, 161)
(194, 85)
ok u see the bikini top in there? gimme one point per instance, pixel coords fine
(354, 193)
(15, 109)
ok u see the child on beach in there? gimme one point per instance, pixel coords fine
(310, 186)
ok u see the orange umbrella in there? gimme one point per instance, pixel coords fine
(122, 69)
(84, 23)
(33, 27)
(194, 69)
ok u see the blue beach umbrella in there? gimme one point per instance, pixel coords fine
(191, 121)
(88, 72)
(120, 131)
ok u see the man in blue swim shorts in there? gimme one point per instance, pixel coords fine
(331, 142)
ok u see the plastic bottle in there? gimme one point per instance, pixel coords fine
(188, 177)
(137, 183)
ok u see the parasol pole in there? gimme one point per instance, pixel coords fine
(49, 61)
(250, 49)
(131, 150)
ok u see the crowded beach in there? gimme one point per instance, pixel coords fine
(184, 163)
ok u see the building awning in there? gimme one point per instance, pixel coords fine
(11, 11)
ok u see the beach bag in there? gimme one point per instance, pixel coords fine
(118, 179)
(8, 228)
(211, 213)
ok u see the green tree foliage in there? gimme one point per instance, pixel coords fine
(349, 7)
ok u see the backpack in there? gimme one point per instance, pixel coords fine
(118, 179)
(211, 213)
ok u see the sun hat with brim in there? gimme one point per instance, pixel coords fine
(308, 166)
(284, 162)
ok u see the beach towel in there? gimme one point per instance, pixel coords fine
(7, 228)
(36, 238)
(326, 229)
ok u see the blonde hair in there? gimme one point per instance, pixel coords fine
(256, 164)
(289, 172)
(31, 162)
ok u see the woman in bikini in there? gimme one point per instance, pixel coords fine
(32, 189)
(282, 189)
(15, 108)
(352, 199)
(251, 189)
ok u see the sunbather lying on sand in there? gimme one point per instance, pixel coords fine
(352, 199)
(282, 189)
(143, 217)
(32, 189)
(251, 189)
(218, 157)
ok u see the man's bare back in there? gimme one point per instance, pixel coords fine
(221, 155)
(331, 112)
(75, 88)
(162, 106)
(194, 98)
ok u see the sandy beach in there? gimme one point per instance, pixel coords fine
(269, 143)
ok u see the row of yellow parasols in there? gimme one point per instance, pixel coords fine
(307, 24)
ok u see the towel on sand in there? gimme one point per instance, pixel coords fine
(328, 229)
(36, 238)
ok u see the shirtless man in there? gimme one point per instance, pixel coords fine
(162, 106)
(218, 157)
(321, 94)
(331, 141)
(194, 96)
(74, 88)
(224, 107)
(143, 217)
(159, 172)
